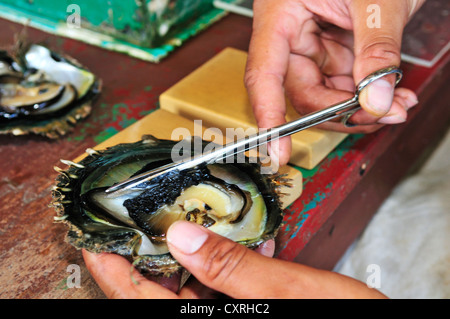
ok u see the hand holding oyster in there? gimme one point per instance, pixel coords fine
(233, 200)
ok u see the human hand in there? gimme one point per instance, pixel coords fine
(112, 273)
(316, 52)
(221, 265)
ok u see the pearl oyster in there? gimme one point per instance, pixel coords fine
(43, 92)
(234, 200)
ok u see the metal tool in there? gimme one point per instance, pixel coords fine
(344, 109)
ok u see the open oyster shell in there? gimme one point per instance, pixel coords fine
(43, 92)
(234, 200)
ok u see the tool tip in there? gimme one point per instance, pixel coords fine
(111, 189)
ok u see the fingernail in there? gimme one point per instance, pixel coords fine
(274, 151)
(411, 101)
(393, 119)
(186, 236)
(380, 94)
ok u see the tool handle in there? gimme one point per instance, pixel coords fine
(344, 109)
(266, 136)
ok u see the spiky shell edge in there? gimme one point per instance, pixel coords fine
(127, 240)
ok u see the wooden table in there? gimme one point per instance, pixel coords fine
(338, 200)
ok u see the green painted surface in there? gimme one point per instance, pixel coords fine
(117, 13)
(145, 29)
(141, 22)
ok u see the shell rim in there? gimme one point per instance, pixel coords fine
(153, 264)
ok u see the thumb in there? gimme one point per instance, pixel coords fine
(218, 262)
(238, 272)
(378, 29)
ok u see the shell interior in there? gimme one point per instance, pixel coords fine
(43, 92)
(233, 200)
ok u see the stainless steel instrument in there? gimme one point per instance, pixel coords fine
(344, 109)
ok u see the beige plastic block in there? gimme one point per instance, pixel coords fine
(159, 123)
(163, 124)
(215, 93)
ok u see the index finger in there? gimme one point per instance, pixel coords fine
(275, 24)
(267, 63)
(266, 69)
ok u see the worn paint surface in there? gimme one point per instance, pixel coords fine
(33, 255)
(145, 29)
(318, 185)
(116, 117)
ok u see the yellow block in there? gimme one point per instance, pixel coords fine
(161, 124)
(165, 125)
(215, 93)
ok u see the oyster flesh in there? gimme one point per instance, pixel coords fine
(42, 92)
(233, 200)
